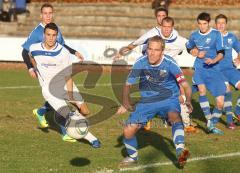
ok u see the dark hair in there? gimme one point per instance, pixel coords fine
(46, 5)
(168, 20)
(158, 39)
(160, 9)
(204, 16)
(52, 26)
(221, 16)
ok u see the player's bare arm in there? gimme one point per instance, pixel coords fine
(188, 94)
(218, 58)
(126, 106)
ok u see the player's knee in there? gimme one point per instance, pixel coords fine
(130, 130)
(220, 104)
(173, 118)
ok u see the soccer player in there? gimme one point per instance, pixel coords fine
(37, 36)
(207, 45)
(160, 13)
(53, 67)
(159, 77)
(231, 74)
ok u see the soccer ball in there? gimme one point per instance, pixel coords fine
(76, 125)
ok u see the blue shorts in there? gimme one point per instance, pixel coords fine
(232, 76)
(212, 79)
(147, 111)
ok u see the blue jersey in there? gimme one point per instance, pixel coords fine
(211, 42)
(156, 83)
(230, 42)
(37, 35)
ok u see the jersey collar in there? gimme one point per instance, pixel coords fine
(206, 32)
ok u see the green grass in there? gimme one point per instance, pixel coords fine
(25, 148)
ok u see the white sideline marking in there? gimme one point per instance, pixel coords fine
(171, 163)
(79, 85)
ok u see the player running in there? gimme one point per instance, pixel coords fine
(54, 68)
(207, 45)
(231, 74)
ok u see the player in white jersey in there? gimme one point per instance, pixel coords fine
(160, 13)
(54, 68)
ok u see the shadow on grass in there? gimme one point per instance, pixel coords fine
(150, 138)
(80, 162)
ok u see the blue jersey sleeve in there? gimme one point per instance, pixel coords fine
(134, 75)
(32, 38)
(236, 44)
(175, 69)
(190, 43)
(60, 37)
(219, 42)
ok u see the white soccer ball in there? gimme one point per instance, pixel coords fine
(76, 126)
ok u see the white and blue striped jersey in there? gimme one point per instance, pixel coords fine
(211, 42)
(173, 45)
(51, 64)
(37, 35)
(156, 82)
(230, 42)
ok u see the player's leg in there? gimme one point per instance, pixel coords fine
(83, 109)
(237, 86)
(40, 115)
(178, 132)
(184, 113)
(142, 113)
(216, 85)
(228, 108)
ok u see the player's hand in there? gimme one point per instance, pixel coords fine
(32, 73)
(79, 55)
(201, 54)
(236, 62)
(117, 56)
(209, 61)
(121, 110)
(194, 52)
(189, 106)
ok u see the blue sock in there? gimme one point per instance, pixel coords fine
(216, 115)
(131, 146)
(178, 136)
(63, 130)
(44, 109)
(204, 103)
(237, 109)
(228, 107)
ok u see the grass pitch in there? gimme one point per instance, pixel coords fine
(26, 148)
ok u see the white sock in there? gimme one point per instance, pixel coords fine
(89, 137)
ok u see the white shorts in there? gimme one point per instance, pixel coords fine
(57, 95)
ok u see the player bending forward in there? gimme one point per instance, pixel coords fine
(159, 77)
(54, 68)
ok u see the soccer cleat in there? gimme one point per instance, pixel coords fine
(190, 129)
(41, 119)
(231, 126)
(182, 157)
(67, 138)
(147, 127)
(96, 144)
(127, 161)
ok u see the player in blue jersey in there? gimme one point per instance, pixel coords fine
(227, 67)
(54, 69)
(207, 45)
(159, 78)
